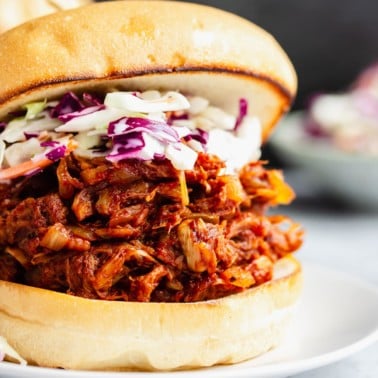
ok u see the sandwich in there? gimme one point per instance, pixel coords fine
(136, 230)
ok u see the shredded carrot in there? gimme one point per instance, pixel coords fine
(30, 165)
(25, 167)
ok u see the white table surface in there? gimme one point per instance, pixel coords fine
(345, 240)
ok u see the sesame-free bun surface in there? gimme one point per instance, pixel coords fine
(148, 45)
(15, 12)
(59, 330)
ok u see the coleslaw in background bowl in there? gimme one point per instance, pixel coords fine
(333, 145)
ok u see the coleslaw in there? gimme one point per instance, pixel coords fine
(127, 125)
(348, 120)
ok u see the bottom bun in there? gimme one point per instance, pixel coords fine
(58, 330)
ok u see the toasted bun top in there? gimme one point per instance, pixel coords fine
(148, 45)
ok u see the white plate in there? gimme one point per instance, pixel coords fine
(338, 316)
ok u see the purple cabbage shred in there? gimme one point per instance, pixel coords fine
(70, 103)
(243, 111)
(199, 135)
(57, 153)
(126, 146)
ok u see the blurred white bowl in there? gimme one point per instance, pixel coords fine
(350, 178)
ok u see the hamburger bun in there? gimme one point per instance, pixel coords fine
(138, 45)
(57, 330)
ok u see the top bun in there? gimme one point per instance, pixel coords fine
(148, 45)
(13, 13)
